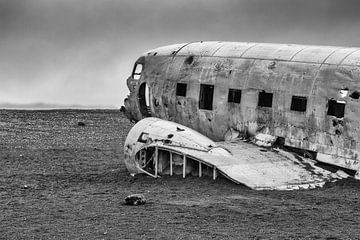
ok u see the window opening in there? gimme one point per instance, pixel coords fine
(143, 138)
(206, 96)
(137, 71)
(336, 108)
(265, 99)
(298, 103)
(234, 96)
(181, 89)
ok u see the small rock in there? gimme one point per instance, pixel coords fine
(135, 199)
(25, 186)
(82, 124)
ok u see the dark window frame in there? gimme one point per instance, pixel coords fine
(234, 95)
(298, 103)
(336, 108)
(206, 96)
(181, 89)
(265, 99)
(135, 74)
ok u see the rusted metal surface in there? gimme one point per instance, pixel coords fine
(240, 162)
(318, 73)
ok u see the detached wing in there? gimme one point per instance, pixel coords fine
(241, 162)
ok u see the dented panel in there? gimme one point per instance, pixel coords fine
(314, 54)
(319, 74)
(201, 48)
(273, 51)
(158, 147)
(233, 49)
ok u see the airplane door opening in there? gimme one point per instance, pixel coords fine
(144, 100)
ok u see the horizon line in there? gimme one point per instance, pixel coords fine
(49, 106)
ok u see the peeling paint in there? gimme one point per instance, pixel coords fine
(189, 152)
(316, 73)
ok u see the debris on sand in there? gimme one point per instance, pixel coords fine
(348, 182)
(81, 124)
(135, 199)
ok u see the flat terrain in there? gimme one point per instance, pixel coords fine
(59, 180)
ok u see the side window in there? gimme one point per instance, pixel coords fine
(234, 96)
(137, 71)
(265, 99)
(336, 108)
(181, 89)
(206, 96)
(298, 104)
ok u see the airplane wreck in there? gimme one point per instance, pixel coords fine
(209, 108)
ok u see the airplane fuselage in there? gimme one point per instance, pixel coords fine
(306, 96)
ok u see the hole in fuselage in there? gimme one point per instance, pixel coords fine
(336, 108)
(355, 95)
(181, 89)
(298, 104)
(156, 102)
(144, 100)
(189, 60)
(171, 163)
(265, 99)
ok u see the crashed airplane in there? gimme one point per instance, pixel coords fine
(237, 109)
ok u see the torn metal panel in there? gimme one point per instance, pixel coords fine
(339, 55)
(352, 59)
(171, 144)
(336, 160)
(264, 140)
(234, 49)
(315, 74)
(315, 54)
(273, 51)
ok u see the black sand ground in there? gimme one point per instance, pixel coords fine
(59, 180)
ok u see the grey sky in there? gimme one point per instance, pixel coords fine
(82, 51)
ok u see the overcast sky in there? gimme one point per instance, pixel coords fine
(82, 51)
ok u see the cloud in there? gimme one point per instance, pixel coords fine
(82, 51)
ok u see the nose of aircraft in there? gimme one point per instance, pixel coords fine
(130, 102)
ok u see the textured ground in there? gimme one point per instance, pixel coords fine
(59, 180)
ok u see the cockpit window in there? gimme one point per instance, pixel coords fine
(137, 71)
